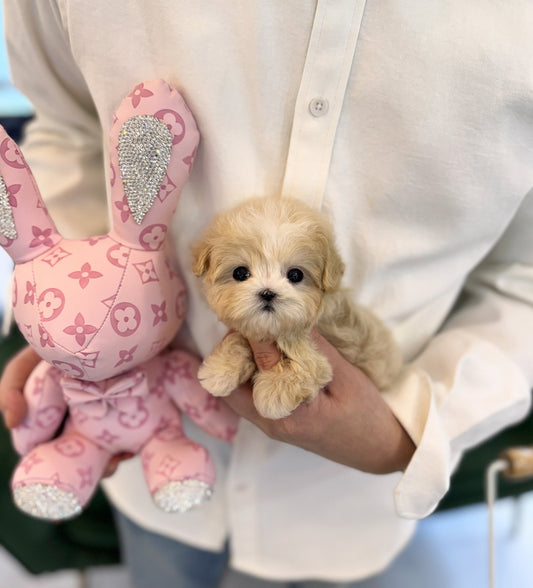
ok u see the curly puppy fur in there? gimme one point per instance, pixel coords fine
(271, 272)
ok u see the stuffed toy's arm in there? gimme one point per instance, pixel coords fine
(46, 409)
(208, 412)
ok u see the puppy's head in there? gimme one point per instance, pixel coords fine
(266, 265)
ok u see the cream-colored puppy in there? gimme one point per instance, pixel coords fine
(271, 272)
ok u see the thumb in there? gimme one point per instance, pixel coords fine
(266, 355)
(16, 372)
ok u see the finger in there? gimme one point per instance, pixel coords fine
(16, 372)
(114, 462)
(266, 355)
(241, 402)
(18, 368)
(14, 409)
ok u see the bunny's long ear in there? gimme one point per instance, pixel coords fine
(153, 144)
(26, 229)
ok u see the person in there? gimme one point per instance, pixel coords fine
(410, 124)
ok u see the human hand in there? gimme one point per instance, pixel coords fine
(348, 422)
(17, 370)
(114, 462)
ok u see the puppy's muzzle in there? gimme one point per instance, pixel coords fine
(267, 296)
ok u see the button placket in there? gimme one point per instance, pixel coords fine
(319, 103)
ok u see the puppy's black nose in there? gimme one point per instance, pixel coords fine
(267, 295)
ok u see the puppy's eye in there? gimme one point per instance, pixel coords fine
(241, 273)
(295, 275)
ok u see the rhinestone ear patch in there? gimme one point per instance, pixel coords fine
(7, 223)
(144, 149)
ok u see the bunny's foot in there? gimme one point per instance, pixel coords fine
(44, 501)
(179, 472)
(183, 495)
(57, 479)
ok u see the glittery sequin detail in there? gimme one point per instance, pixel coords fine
(144, 148)
(182, 496)
(46, 502)
(7, 224)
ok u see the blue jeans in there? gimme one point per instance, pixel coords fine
(154, 561)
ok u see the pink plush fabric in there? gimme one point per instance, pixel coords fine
(101, 312)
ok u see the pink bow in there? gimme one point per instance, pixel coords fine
(95, 398)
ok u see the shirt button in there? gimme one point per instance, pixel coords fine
(318, 106)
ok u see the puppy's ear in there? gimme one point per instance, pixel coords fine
(333, 268)
(201, 254)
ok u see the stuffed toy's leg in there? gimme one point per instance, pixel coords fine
(55, 480)
(180, 473)
(46, 409)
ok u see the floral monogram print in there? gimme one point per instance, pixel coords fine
(147, 271)
(11, 155)
(56, 256)
(153, 237)
(51, 302)
(138, 94)
(125, 319)
(85, 275)
(41, 237)
(80, 329)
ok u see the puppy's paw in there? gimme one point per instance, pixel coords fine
(230, 364)
(278, 392)
(320, 371)
(217, 380)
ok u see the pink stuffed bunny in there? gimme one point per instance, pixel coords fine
(101, 312)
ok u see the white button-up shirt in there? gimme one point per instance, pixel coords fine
(411, 124)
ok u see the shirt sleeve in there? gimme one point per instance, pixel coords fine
(475, 377)
(63, 142)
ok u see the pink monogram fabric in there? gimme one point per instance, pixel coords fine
(101, 312)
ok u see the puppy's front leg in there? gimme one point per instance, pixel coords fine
(296, 378)
(231, 363)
